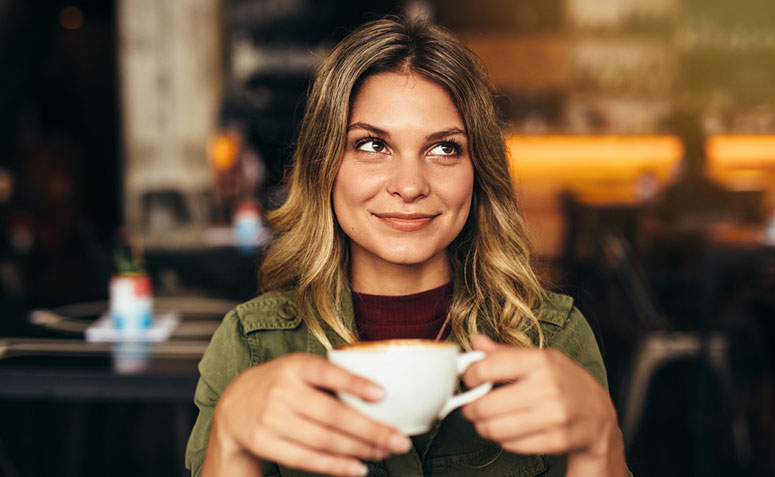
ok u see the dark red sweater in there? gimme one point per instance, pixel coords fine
(419, 315)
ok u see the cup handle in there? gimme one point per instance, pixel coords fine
(463, 362)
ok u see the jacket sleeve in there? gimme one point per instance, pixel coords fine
(227, 355)
(577, 340)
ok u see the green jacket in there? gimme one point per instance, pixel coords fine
(268, 327)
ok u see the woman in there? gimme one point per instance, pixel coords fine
(401, 222)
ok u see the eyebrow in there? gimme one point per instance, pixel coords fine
(368, 127)
(381, 132)
(445, 133)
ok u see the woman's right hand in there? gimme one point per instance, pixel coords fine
(284, 411)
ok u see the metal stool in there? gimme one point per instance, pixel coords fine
(660, 348)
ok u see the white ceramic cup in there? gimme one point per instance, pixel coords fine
(419, 378)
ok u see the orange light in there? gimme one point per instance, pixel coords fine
(224, 149)
(600, 168)
(741, 162)
(71, 17)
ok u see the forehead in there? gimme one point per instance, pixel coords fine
(388, 98)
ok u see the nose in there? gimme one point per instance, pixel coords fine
(409, 180)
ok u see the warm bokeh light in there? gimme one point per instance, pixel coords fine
(6, 185)
(742, 162)
(616, 169)
(71, 17)
(224, 148)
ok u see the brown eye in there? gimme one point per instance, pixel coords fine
(445, 149)
(371, 145)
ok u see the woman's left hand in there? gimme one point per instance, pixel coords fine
(548, 405)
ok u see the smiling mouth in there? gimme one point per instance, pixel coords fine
(405, 222)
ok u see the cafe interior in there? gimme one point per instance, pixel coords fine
(148, 138)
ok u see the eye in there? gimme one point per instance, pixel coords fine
(447, 148)
(371, 145)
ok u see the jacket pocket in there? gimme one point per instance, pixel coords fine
(491, 461)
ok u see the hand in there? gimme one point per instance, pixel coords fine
(283, 411)
(548, 405)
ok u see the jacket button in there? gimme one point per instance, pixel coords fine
(286, 311)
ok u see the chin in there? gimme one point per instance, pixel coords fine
(408, 257)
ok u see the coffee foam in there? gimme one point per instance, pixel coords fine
(382, 345)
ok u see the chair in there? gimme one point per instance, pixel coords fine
(656, 348)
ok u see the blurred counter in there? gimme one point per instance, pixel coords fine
(74, 408)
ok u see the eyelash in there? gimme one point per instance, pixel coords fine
(446, 142)
(458, 148)
(360, 142)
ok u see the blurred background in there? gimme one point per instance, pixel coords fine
(151, 135)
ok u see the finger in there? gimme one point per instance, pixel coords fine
(504, 364)
(531, 444)
(330, 411)
(291, 454)
(549, 441)
(324, 374)
(517, 397)
(516, 425)
(327, 439)
(484, 343)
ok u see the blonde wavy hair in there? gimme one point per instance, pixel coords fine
(495, 288)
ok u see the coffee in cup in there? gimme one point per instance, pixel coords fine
(419, 378)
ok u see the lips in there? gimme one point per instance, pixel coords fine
(405, 222)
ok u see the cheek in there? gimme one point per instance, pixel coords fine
(355, 187)
(462, 193)
(339, 199)
(350, 194)
(345, 195)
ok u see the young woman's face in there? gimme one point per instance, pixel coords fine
(404, 187)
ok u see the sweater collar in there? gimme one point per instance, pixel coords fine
(348, 316)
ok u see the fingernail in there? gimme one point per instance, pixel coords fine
(374, 392)
(399, 444)
(357, 469)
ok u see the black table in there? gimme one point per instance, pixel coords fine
(106, 401)
(70, 369)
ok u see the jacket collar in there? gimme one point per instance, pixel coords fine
(276, 310)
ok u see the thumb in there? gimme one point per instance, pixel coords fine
(483, 343)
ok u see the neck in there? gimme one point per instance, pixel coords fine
(390, 279)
